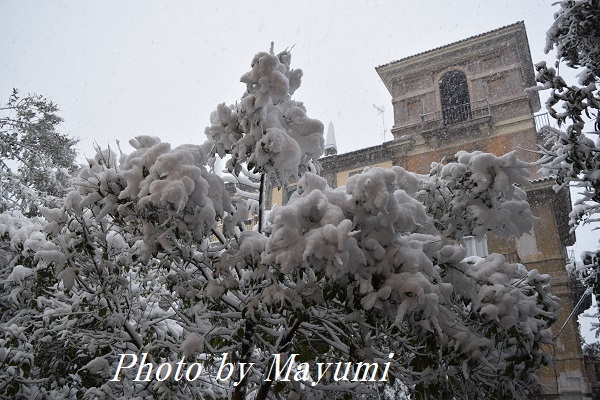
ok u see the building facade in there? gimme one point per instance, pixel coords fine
(471, 95)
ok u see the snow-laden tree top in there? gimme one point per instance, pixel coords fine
(266, 129)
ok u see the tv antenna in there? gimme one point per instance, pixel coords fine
(381, 111)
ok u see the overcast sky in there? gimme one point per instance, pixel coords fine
(120, 69)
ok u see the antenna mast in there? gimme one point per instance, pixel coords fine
(381, 111)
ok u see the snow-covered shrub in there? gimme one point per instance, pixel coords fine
(150, 254)
(375, 252)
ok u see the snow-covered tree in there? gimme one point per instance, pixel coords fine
(572, 153)
(35, 166)
(35, 159)
(150, 258)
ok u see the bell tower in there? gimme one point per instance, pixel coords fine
(471, 95)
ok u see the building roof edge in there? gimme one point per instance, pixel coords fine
(506, 27)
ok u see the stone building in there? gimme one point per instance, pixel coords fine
(470, 95)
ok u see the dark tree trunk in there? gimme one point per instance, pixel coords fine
(245, 356)
(265, 387)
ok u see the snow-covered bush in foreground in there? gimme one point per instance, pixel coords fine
(572, 154)
(151, 255)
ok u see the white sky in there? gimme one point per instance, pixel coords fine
(120, 69)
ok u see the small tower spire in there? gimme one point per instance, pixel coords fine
(330, 146)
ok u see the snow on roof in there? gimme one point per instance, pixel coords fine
(452, 44)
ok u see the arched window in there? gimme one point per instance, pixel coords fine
(454, 93)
